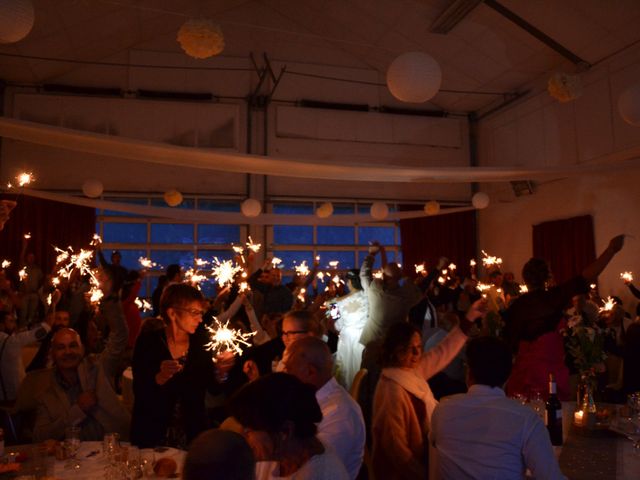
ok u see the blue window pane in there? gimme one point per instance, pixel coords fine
(343, 209)
(293, 208)
(292, 235)
(291, 258)
(222, 234)
(171, 233)
(124, 232)
(336, 235)
(346, 259)
(164, 258)
(132, 201)
(130, 258)
(222, 255)
(384, 235)
(188, 203)
(218, 206)
(362, 255)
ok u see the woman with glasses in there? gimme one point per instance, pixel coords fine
(172, 371)
(403, 401)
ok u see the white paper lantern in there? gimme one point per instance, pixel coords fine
(173, 198)
(16, 20)
(92, 188)
(480, 200)
(629, 105)
(325, 210)
(379, 210)
(431, 207)
(201, 38)
(251, 207)
(414, 77)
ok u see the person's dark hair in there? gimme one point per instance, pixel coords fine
(116, 280)
(308, 319)
(130, 280)
(172, 271)
(177, 295)
(218, 455)
(535, 273)
(489, 361)
(396, 340)
(494, 274)
(269, 402)
(354, 276)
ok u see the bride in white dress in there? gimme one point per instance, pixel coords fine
(350, 314)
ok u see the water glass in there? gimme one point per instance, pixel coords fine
(71, 446)
(111, 446)
(537, 403)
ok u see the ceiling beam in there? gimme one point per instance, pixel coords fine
(453, 15)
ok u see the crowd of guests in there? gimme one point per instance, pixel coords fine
(438, 353)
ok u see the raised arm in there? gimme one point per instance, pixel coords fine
(591, 272)
(366, 276)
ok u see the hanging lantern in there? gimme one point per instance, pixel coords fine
(92, 188)
(201, 38)
(251, 207)
(325, 210)
(431, 207)
(173, 198)
(16, 20)
(480, 200)
(379, 210)
(629, 105)
(414, 77)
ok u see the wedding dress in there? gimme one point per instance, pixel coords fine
(353, 312)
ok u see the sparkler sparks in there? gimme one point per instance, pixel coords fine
(523, 289)
(49, 299)
(25, 178)
(22, 274)
(302, 269)
(377, 274)
(70, 261)
(627, 276)
(334, 263)
(482, 288)
(225, 271)
(254, 247)
(472, 262)
(224, 339)
(420, 268)
(194, 278)
(441, 280)
(6, 263)
(238, 250)
(608, 305)
(200, 262)
(452, 266)
(275, 261)
(337, 280)
(243, 287)
(55, 281)
(146, 262)
(301, 295)
(489, 261)
(143, 304)
(27, 236)
(96, 240)
(320, 276)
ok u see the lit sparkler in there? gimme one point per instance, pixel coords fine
(6, 263)
(627, 276)
(143, 304)
(146, 262)
(224, 339)
(27, 236)
(22, 274)
(523, 289)
(608, 305)
(49, 299)
(237, 249)
(592, 286)
(254, 247)
(320, 276)
(96, 240)
(201, 262)
(69, 261)
(194, 278)
(224, 271)
(472, 262)
(337, 280)
(420, 269)
(452, 266)
(482, 288)
(441, 280)
(489, 261)
(377, 274)
(55, 281)
(334, 263)
(275, 261)
(301, 296)
(302, 269)
(243, 287)
(25, 178)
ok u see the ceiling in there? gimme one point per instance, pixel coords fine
(484, 59)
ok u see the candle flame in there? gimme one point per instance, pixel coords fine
(224, 339)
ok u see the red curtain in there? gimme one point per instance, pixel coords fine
(568, 245)
(429, 238)
(50, 223)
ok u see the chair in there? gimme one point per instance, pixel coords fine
(355, 394)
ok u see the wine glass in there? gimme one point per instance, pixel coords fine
(71, 446)
(537, 402)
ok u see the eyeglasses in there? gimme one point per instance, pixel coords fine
(294, 332)
(191, 311)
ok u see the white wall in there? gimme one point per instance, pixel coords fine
(541, 132)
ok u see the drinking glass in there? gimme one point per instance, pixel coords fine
(537, 403)
(111, 446)
(71, 446)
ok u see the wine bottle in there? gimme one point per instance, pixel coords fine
(553, 414)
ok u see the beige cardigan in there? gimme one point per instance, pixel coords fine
(402, 409)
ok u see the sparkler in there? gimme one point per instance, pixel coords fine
(627, 276)
(6, 263)
(523, 289)
(592, 286)
(224, 339)
(301, 296)
(275, 261)
(238, 250)
(334, 263)
(25, 178)
(441, 280)
(452, 266)
(224, 272)
(482, 288)
(337, 280)
(194, 278)
(23, 274)
(489, 260)
(200, 262)
(243, 287)
(254, 247)
(143, 304)
(320, 276)
(70, 261)
(377, 274)
(49, 299)
(608, 305)
(420, 269)
(96, 240)
(55, 281)
(472, 262)
(27, 236)
(146, 262)
(302, 269)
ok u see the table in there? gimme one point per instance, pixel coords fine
(92, 461)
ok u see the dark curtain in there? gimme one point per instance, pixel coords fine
(429, 238)
(50, 223)
(568, 245)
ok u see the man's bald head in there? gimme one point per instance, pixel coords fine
(310, 360)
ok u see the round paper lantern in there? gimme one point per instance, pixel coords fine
(92, 188)
(173, 198)
(431, 207)
(201, 38)
(480, 200)
(251, 207)
(379, 210)
(325, 210)
(414, 77)
(629, 105)
(16, 20)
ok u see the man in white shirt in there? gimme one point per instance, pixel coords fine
(483, 434)
(342, 427)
